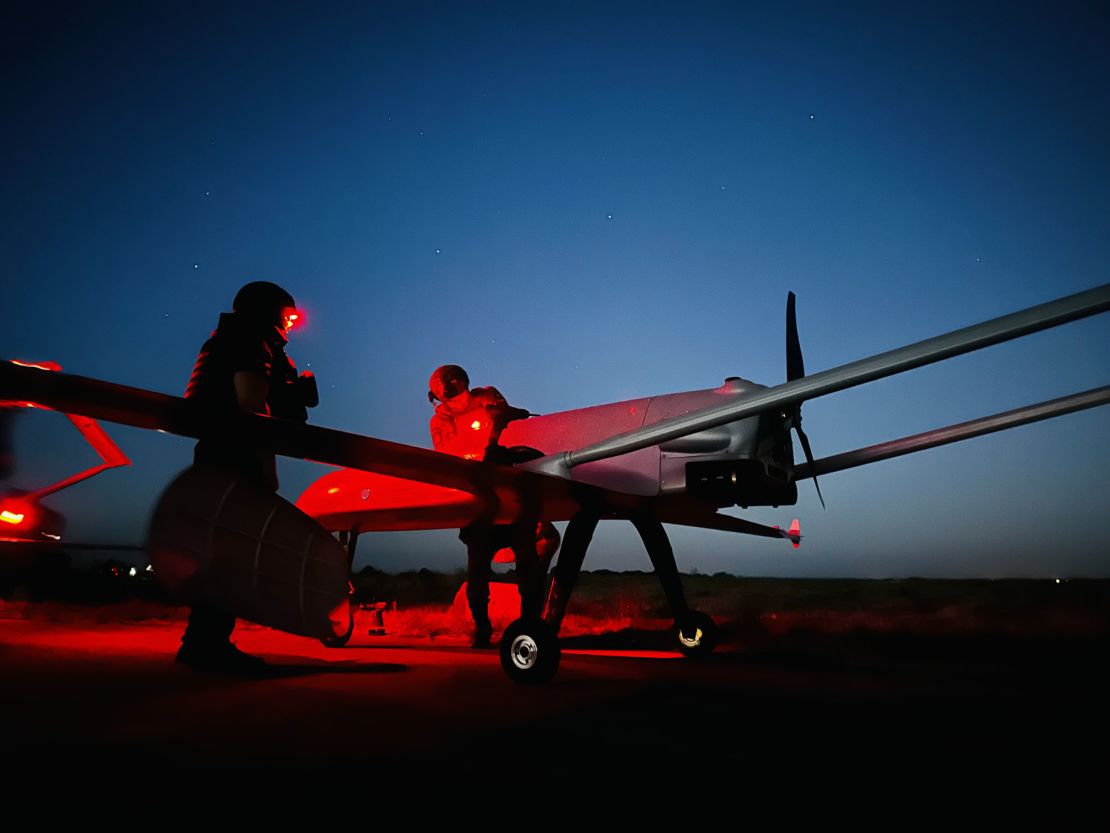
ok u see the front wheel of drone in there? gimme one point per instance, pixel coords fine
(530, 652)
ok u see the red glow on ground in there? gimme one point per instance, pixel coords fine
(584, 652)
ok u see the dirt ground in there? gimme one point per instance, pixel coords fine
(816, 693)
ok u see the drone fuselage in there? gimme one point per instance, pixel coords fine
(747, 463)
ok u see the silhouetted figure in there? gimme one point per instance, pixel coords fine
(468, 422)
(242, 367)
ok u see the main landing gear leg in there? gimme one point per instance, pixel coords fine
(580, 531)
(350, 540)
(530, 647)
(695, 632)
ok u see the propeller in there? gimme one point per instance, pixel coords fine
(796, 369)
(795, 365)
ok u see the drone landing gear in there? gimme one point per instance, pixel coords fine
(580, 531)
(695, 632)
(530, 651)
(350, 540)
(530, 647)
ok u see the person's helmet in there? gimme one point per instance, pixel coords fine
(265, 303)
(447, 381)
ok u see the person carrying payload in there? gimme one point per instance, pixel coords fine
(242, 367)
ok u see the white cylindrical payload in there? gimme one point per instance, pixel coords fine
(216, 540)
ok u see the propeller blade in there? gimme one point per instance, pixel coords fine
(809, 459)
(796, 369)
(795, 366)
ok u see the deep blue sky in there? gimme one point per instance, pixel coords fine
(582, 203)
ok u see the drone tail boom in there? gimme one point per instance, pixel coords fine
(955, 433)
(730, 523)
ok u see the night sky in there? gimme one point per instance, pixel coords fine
(582, 203)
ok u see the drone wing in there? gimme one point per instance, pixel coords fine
(502, 485)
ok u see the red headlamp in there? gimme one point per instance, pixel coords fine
(292, 318)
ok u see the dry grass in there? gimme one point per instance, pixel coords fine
(430, 604)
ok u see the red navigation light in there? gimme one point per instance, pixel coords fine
(292, 318)
(17, 512)
(476, 425)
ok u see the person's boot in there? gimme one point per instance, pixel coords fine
(482, 636)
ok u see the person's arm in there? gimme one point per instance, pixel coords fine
(499, 408)
(252, 389)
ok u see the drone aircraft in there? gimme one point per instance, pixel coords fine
(670, 459)
(23, 517)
